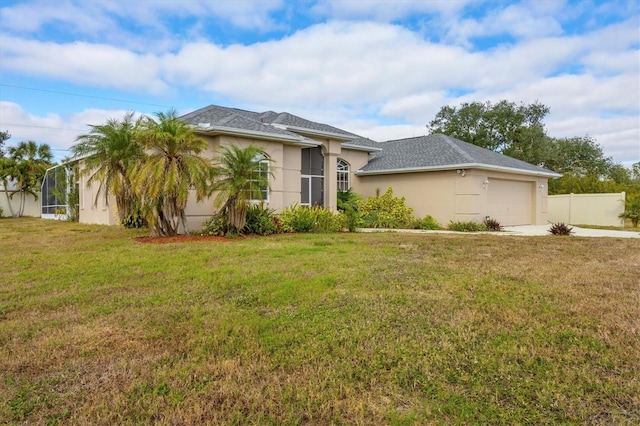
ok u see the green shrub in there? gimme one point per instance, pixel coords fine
(1, 211)
(297, 219)
(428, 222)
(309, 219)
(386, 211)
(468, 226)
(560, 229)
(135, 220)
(632, 209)
(261, 221)
(216, 225)
(492, 224)
(349, 216)
(348, 200)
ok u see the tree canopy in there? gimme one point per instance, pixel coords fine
(172, 168)
(25, 166)
(109, 151)
(241, 175)
(4, 136)
(515, 130)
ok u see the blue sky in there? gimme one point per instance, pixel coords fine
(381, 69)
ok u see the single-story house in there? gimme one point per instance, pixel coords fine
(437, 174)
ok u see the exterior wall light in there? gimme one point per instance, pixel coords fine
(461, 172)
(485, 184)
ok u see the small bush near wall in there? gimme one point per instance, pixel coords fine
(310, 219)
(428, 222)
(492, 224)
(386, 211)
(468, 226)
(217, 225)
(135, 220)
(560, 229)
(261, 221)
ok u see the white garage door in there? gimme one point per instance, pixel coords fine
(511, 202)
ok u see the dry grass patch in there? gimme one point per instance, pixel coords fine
(96, 328)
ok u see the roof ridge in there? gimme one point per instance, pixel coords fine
(231, 117)
(450, 141)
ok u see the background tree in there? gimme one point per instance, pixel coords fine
(4, 136)
(109, 153)
(171, 169)
(516, 130)
(240, 177)
(5, 166)
(28, 162)
(580, 156)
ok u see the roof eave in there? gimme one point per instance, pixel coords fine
(540, 173)
(216, 130)
(361, 148)
(313, 132)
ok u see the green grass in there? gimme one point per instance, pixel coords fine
(96, 328)
(628, 227)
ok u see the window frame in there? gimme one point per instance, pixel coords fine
(264, 169)
(343, 175)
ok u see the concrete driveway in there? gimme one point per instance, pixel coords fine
(533, 230)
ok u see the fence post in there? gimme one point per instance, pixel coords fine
(571, 207)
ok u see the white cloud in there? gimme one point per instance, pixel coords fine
(91, 64)
(524, 20)
(54, 129)
(385, 80)
(385, 10)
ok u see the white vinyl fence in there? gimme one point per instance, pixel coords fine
(587, 209)
(31, 206)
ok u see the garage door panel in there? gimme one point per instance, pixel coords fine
(511, 202)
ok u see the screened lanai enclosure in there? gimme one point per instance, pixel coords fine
(60, 193)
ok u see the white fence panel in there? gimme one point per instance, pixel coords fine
(587, 209)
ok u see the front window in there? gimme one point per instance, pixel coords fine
(262, 175)
(343, 175)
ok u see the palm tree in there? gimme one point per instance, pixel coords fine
(241, 176)
(110, 151)
(28, 164)
(7, 166)
(171, 170)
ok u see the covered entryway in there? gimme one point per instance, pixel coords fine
(511, 201)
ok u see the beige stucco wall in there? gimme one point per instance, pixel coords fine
(587, 209)
(92, 209)
(447, 195)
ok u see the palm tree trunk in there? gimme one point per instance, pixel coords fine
(23, 197)
(184, 222)
(6, 194)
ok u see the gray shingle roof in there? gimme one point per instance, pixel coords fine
(441, 152)
(286, 119)
(233, 118)
(219, 116)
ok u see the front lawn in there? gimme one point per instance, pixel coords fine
(382, 328)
